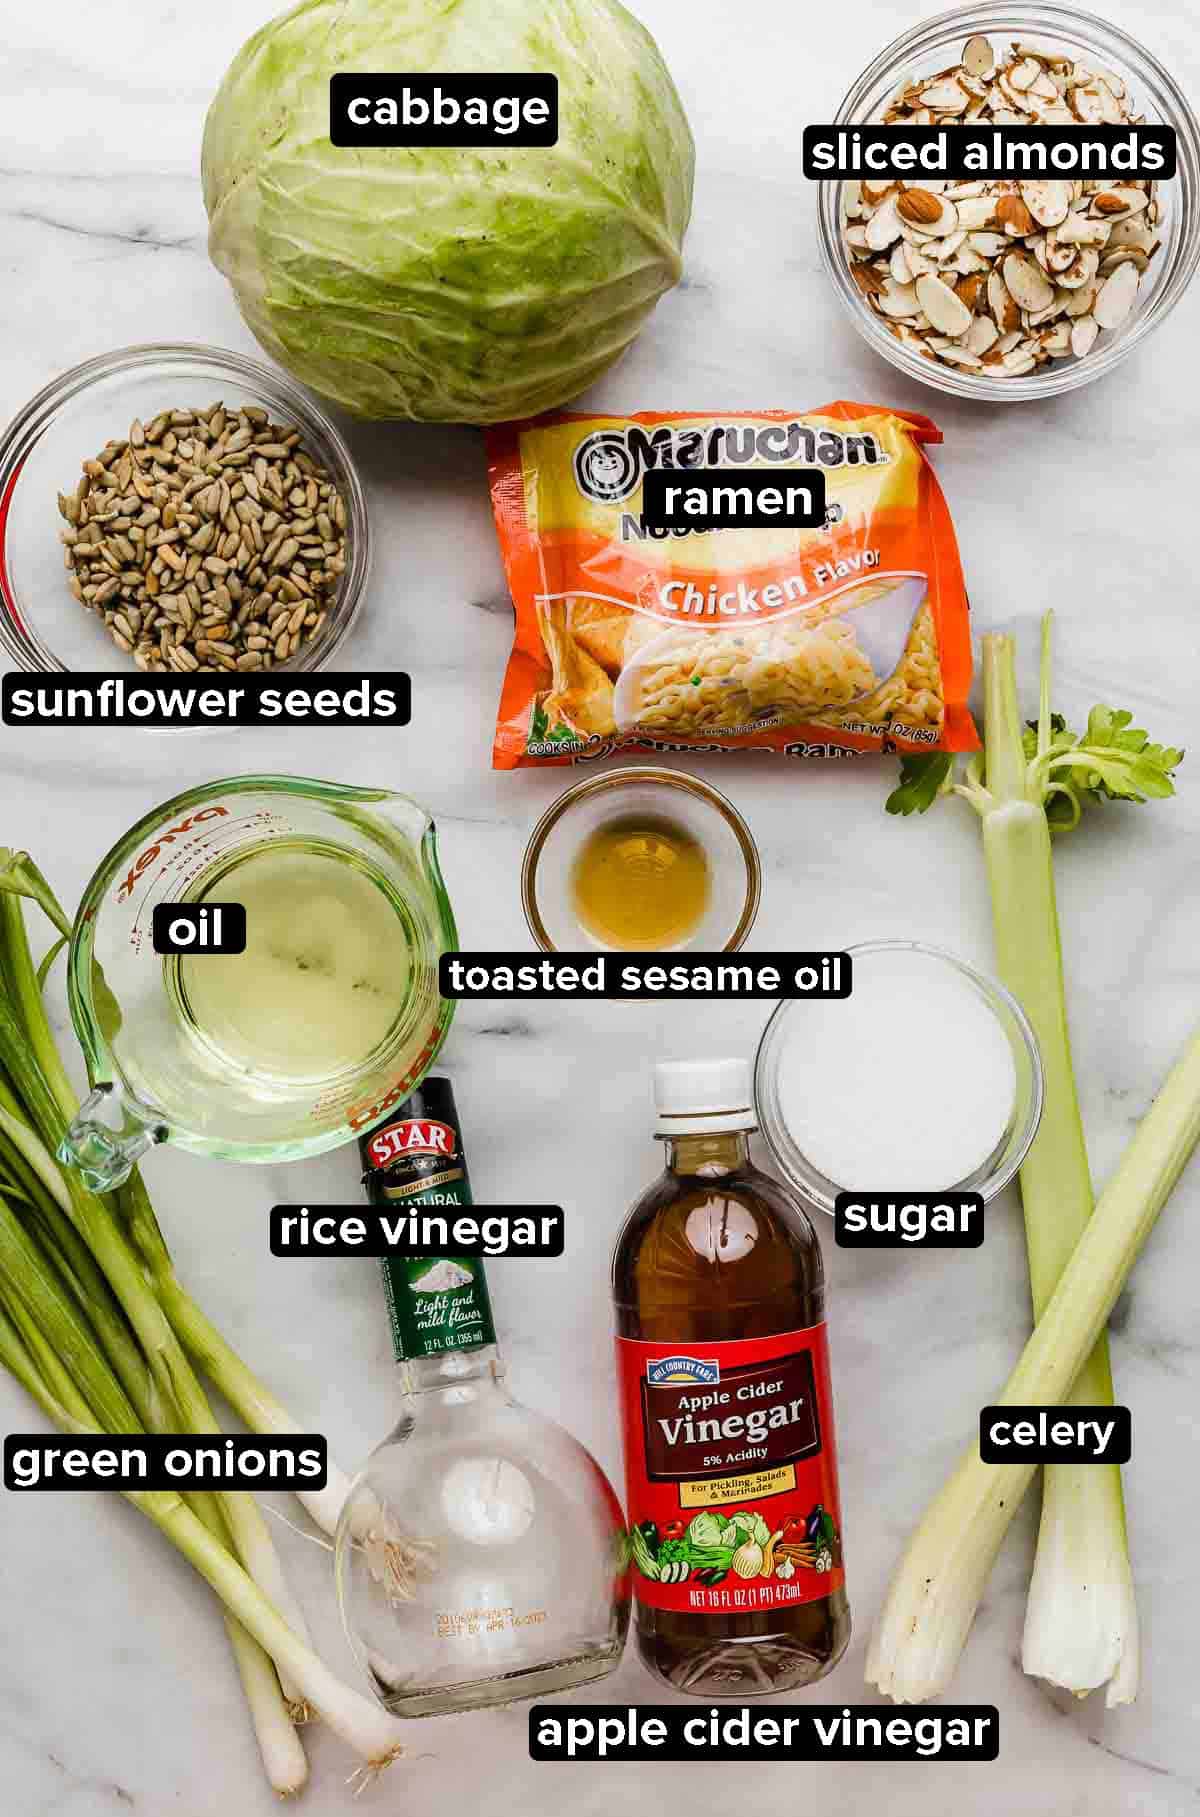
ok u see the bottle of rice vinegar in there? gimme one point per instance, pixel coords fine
(735, 1529)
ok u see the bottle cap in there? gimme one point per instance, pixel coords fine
(697, 1097)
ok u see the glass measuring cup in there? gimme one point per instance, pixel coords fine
(154, 1078)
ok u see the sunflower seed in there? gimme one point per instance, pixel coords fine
(171, 533)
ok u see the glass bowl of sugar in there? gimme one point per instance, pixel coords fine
(926, 1078)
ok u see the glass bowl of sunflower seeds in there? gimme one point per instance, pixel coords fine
(177, 509)
(1012, 289)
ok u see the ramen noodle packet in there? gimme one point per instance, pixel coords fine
(850, 637)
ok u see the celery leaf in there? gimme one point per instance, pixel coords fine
(922, 780)
(1112, 760)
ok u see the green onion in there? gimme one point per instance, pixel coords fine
(250, 1400)
(87, 1332)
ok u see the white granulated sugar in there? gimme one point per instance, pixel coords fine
(906, 1085)
(440, 1278)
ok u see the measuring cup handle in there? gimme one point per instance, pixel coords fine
(108, 1137)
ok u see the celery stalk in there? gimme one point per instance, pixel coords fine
(934, 1593)
(1081, 1624)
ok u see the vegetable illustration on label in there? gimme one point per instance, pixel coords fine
(743, 1424)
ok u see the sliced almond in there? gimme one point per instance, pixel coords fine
(1056, 340)
(973, 211)
(884, 226)
(1115, 297)
(1083, 335)
(1082, 269)
(1088, 103)
(989, 245)
(957, 354)
(1025, 74)
(966, 260)
(918, 263)
(1079, 302)
(1026, 281)
(867, 279)
(1059, 256)
(947, 312)
(1122, 255)
(1014, 216)
(948, 97)
(1110, 106)
(971, 290)
(902, 272)
(1082, 230)
(1002, 303)
(981, 335)
(1054, 307)
(898, 301)
(1132, 232)
(978, 56)
(1047, 202)
(943, 250)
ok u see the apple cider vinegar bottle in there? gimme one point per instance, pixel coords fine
(731, 1470)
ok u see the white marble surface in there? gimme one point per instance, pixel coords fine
(116, 1692)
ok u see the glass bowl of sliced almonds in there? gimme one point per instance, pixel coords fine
(1006, 290)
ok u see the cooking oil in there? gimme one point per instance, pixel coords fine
(325, 973)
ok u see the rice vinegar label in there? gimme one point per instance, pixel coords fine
(731, 1472)
(436, 1304)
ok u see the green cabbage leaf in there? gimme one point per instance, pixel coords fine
(438, 283)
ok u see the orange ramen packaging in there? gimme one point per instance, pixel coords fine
(849, 637)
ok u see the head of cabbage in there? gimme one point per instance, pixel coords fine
(446, 284)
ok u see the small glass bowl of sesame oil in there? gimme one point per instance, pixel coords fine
(641, 859)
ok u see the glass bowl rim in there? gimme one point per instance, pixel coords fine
(24, 430)
(621, 778)
(997, 997)
(1055, 20)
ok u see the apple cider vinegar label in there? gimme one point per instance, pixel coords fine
(731, 1473)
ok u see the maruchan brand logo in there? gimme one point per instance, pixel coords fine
(609, 463)
(411, 1136)
(683, 1369)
